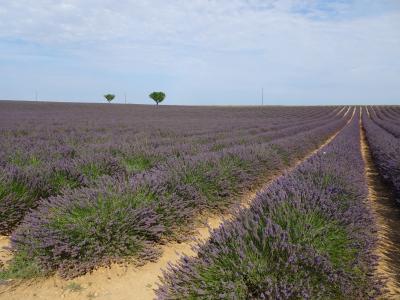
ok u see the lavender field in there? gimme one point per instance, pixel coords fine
(84, 186)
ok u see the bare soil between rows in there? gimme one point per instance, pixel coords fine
(387, 215)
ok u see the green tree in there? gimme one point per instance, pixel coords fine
(109, 97)
(158, 97)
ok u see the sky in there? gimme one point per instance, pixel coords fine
(202, 52)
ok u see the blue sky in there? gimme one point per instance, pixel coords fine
(202, 52)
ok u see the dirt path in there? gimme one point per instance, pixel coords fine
(387, 216)
(127, 282)
(5, 255)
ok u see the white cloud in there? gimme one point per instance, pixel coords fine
(300, 49)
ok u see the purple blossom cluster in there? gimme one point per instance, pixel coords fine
(151, 172)
(383, 132)
(308, 235)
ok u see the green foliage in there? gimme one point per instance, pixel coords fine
(98, 216)
(312, 228)
(15, 199)
(218, 147)
(60, 180)
(137, 163)
(198, 178)
(214, 182)
(284, 154)
(19, 160)
(15, 188)
(21, 267)
(74, 287)
(93, 170)
(17, 191)
(158, 97)
(109, 97)
(305, 229)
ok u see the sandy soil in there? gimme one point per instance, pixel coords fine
(123, 282)
(5, 254)
(386, 214)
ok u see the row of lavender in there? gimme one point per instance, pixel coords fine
(26, 186)
(123, 217)
(47, 161)
(383, 138)
(49, 136)
(386, 117)
(309, 235)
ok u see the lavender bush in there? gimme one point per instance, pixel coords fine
(309, 235)
(385, 151)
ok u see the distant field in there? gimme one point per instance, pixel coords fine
(86, 185)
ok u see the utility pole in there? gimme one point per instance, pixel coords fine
(125, 97)
(36, 96)
(262, 96)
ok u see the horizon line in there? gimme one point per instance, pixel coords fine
(201, 105)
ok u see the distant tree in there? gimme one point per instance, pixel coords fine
(109, 97)
(158, 97)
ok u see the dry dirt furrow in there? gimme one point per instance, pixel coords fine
(387, 216)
